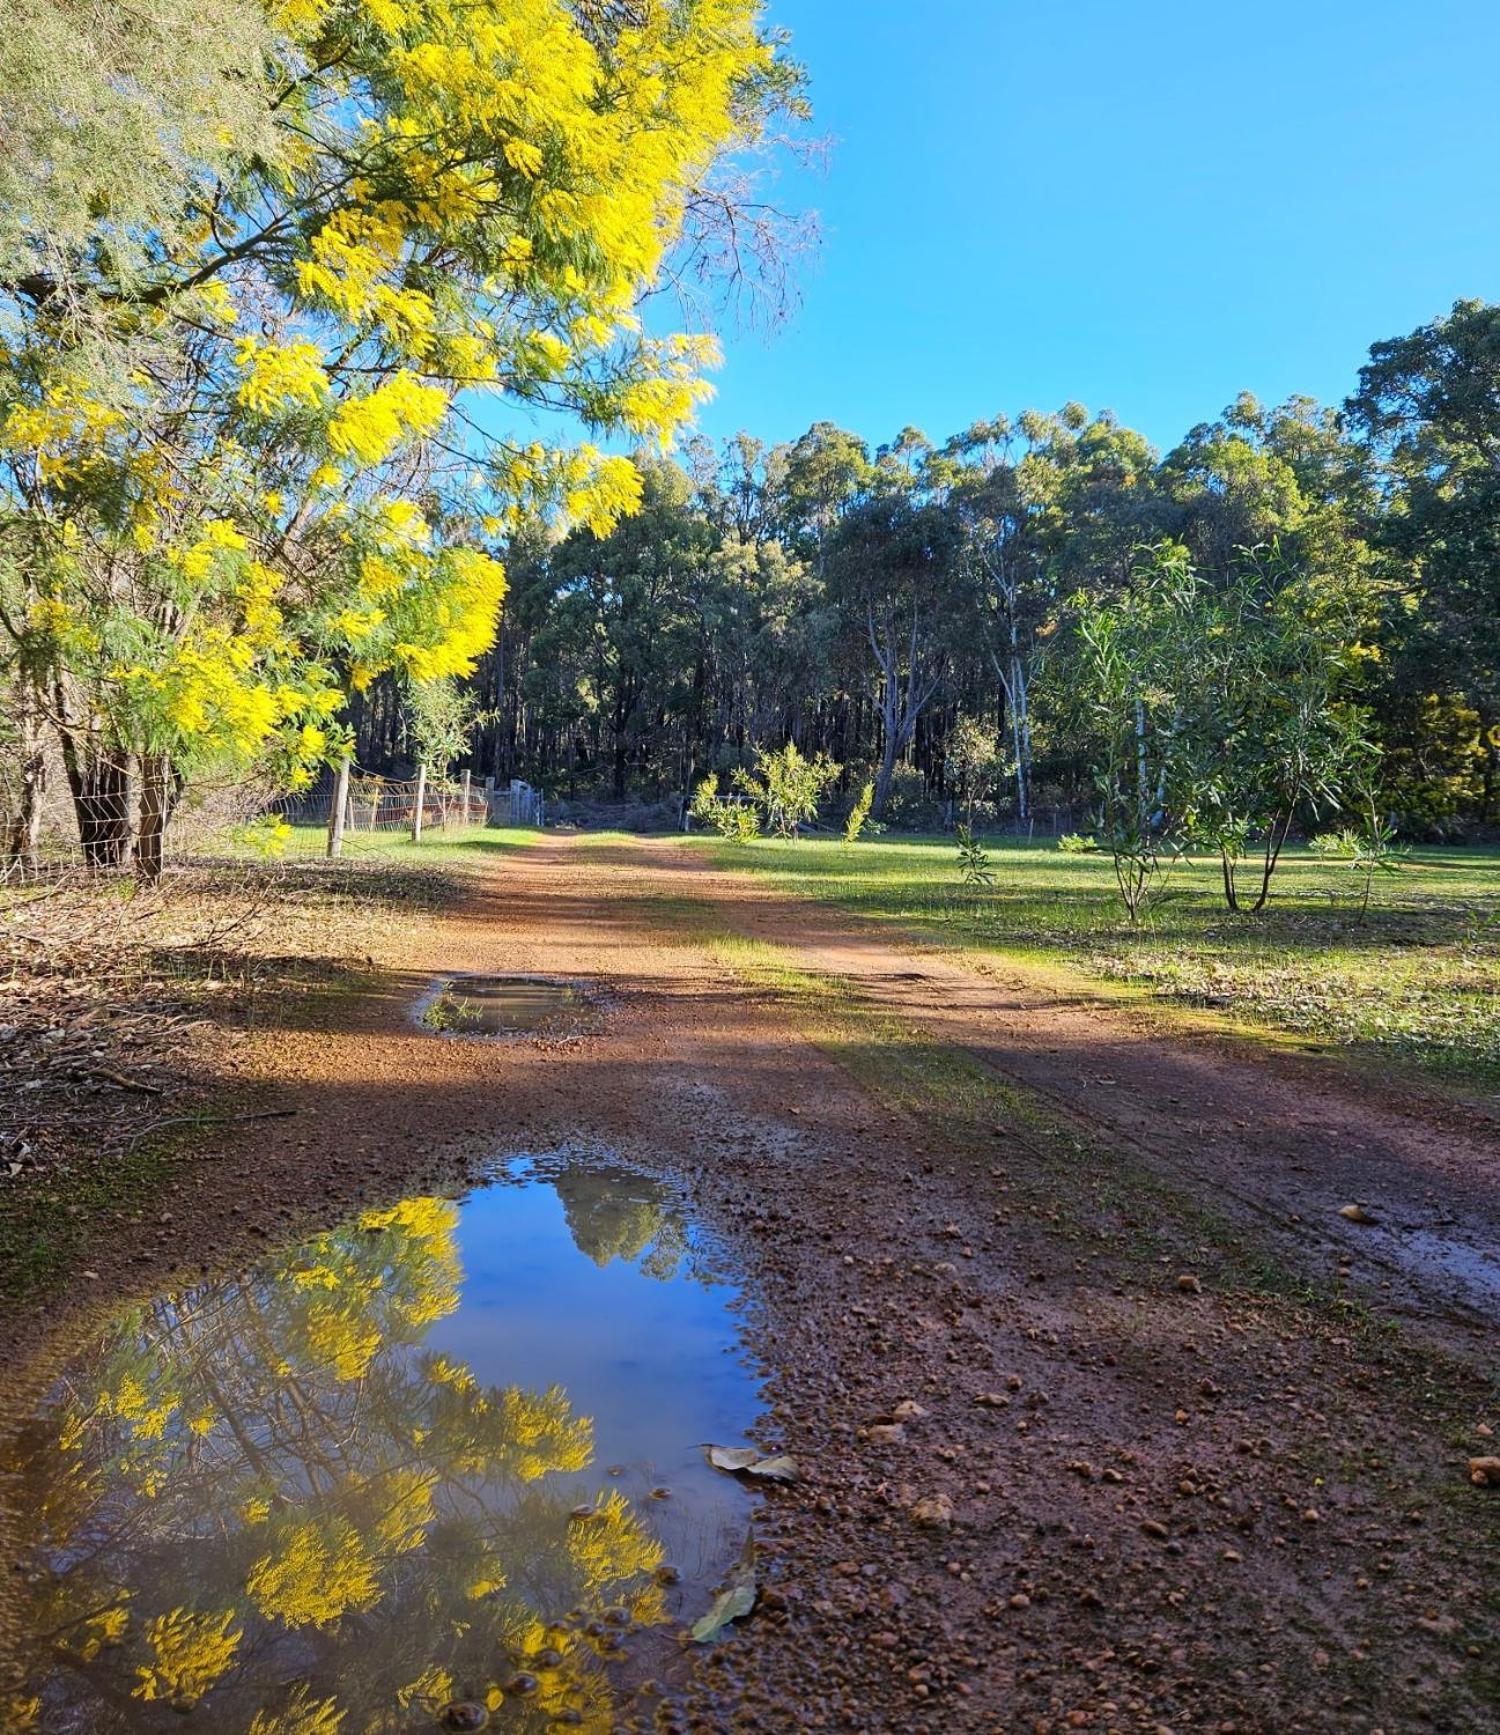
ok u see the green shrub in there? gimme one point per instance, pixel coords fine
(1075, 843)
(735, 820)
(859, 815)
(787, 787)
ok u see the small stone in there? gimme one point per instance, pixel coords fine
(934, 1512)
(1154, 1527)
(464, 1715)
(1355, 1214)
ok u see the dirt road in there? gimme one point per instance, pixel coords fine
(1108, 1418)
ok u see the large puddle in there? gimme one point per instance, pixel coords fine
(499, 1005)
(450, 1452)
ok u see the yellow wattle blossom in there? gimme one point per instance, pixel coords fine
(304, 1716)
(188, 1654)
(316, 1573)
(399, 411)
(280, 375)
(448, 195)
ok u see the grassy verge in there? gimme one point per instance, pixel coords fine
(1415, 983)
(467, 846)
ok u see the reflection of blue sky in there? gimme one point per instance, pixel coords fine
(654, 1362)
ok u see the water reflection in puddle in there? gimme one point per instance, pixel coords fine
(1474, 1270)
(448, 1451)
(498, 1005)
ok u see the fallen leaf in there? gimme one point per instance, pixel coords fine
(729, 1605)
(1355, 1214)
(733, 1602)
(749, 1461)
(778, 1469)
(733, 1458)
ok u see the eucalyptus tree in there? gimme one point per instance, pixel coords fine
(1428, 406)
(890, 563)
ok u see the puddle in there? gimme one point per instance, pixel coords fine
(499, 1005)
(414, 1460)
(1474, 1269)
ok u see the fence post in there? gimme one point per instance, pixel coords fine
(419, 801)
(338, 812)
(468, 787)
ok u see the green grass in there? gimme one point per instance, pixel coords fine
(45, 1235)
(1417, 983)
(469, 846)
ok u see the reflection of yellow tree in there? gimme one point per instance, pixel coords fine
(269, 1495)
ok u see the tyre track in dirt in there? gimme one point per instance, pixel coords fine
(1285, 1141)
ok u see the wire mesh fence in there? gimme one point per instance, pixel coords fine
(120, 819)
(392, 804)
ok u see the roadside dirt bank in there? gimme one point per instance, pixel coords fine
(1054, 1476)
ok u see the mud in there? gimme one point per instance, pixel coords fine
(1069, 1461)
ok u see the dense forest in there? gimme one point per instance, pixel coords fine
(863, 601)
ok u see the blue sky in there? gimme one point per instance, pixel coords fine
(1146, 205)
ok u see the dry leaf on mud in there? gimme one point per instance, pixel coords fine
(749, 1461)
(1355, 1214)
(733, 1458)
(777, 1469)
(729, 1605)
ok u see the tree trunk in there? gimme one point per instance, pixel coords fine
(885, 776)
(419, 801)
(24, 832)
(155, 807)
(99, 780)
(338, 812)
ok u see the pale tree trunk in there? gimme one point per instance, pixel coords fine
(419, 801)
(1013, 682)
(338, 813)
(901, 703)
(1009, 662)
(24, 833)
